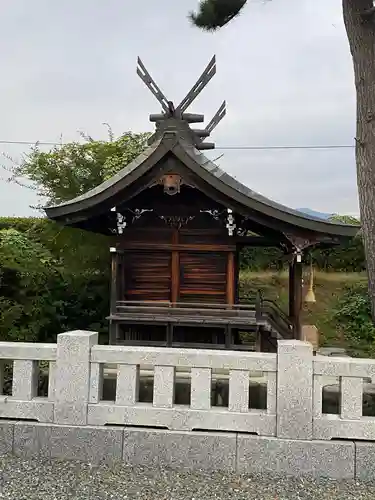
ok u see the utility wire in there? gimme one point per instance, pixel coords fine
(234, 148)
(26, 143)
(339, 146)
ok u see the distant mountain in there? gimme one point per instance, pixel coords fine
(314, 213)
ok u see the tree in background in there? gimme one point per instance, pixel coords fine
(359, 19)
(344, 219)
(73, 169)
(53, 278)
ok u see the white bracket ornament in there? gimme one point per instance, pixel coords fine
(120, 221)
(231, 223)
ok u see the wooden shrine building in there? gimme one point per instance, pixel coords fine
(178, 223)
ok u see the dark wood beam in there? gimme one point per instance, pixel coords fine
(113, 327)
(291, 290)
(231, 278)
(133, 245)
(297, 297)
(175, 270)
(256, 241)
(237, 277)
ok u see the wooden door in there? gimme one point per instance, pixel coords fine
(203, 277)
(148, 276)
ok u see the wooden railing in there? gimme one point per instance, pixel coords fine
(184, 308)
(261, 311)
(267, 309)
(122, 304)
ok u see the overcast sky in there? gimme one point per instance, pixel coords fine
(284, 68)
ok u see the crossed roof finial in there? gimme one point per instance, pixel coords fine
(169, 110)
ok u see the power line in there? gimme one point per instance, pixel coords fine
(339, 146)
(27, 143)
(234, 148)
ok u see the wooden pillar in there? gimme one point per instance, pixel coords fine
(121, 276)
(175, 270)
(237, 277)
(267, 343)
(231, 278)
(298, 296)
(175, 282)
(113, 327)
(169, 334)
(228, 336)
(291, 289)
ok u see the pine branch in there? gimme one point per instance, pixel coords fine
(214, 14)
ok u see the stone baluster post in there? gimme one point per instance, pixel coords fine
(294, 389)
(72, 377)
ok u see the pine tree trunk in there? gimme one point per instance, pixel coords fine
(361, 36)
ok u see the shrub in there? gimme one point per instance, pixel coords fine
(353, 316)
(52, 279)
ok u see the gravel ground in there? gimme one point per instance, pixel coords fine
(50, 480)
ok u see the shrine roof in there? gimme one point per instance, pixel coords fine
(108, 192)
(175, 138)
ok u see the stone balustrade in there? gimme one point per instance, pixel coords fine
(190, 408)
(23, 360)
(168, 365)
(350, 422)
(292, 381)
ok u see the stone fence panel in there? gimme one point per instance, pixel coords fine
(274, 395)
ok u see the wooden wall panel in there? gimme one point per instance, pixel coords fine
(148, 276)
(178, 266)
(231, 278)
(203, 277)
(175, 270)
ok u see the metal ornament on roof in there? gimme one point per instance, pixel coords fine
(215, 214)
(122, 220)
(171, 114)
(231, 223)
(138, 212)
(177, 221)
(121, 223)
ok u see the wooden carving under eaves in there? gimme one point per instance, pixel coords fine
(242, 229)
(176, 221)
(300, 243)
(171, 183)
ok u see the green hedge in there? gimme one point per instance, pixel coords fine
(52, 279)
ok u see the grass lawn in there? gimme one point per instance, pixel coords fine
(327, 287)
